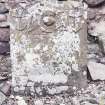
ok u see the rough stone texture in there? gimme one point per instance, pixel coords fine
(4, 25)
(3, 17)
(48, 46)
(4, 48)
(4, 34)
(93, 95)
(96, 37)
(94, 3)
(96, 25)
(5, 63)
(2, 98)
(97, 70)
(3, 9)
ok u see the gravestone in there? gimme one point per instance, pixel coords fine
(48, 46)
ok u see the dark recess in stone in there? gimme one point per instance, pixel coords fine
(92, 39)
(89, 76)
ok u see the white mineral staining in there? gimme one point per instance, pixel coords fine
(48, 78)
(30, 59)
(66, 44)
(75, 101)
(38, 102)
(2, 97)
(74, 88)
(85, 11)
(45, 48)
(85, 73)
(37, 47)
(76, 4)
(16, 89)
(48, 20)
(20, 100)
(57, 90)
(98, 28)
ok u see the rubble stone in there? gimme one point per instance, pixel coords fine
(4, 34)
(4, 24)
(102, 43)
(91, 14)
(97, 70)
(2, 98)
(93, 48)
(94, 3)
(3, 9)
(3, 17)
(5, 64)
(6, 88)
(4, 48)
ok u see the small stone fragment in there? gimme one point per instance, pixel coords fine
(20, 101)
(94, 3)
(102, 44)
(13, 3)
(38, 102)
(93, 48)
(102, 60)
(4, 48)
(3, 17)
(4, 34)
(97, 70)
(4, 24)
(4, 76)
(6, 88)
(3, 9)
(48, 21)
(2, 98)
(5, 64)
(91, 14)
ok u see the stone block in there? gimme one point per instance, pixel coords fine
(4, 48)
(94, 3)
(48, 46)
(97, 70)
(4, 34)
(3, 8)
(3, 18)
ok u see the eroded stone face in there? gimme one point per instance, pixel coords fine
(47, 44)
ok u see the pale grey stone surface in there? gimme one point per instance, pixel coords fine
(97, 70)
(47, 41)
(2, 97)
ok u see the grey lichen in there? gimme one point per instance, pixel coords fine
(45, 44)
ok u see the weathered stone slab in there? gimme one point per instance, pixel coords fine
(48, 46)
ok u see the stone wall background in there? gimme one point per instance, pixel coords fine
(96, 60)
(5, 62)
